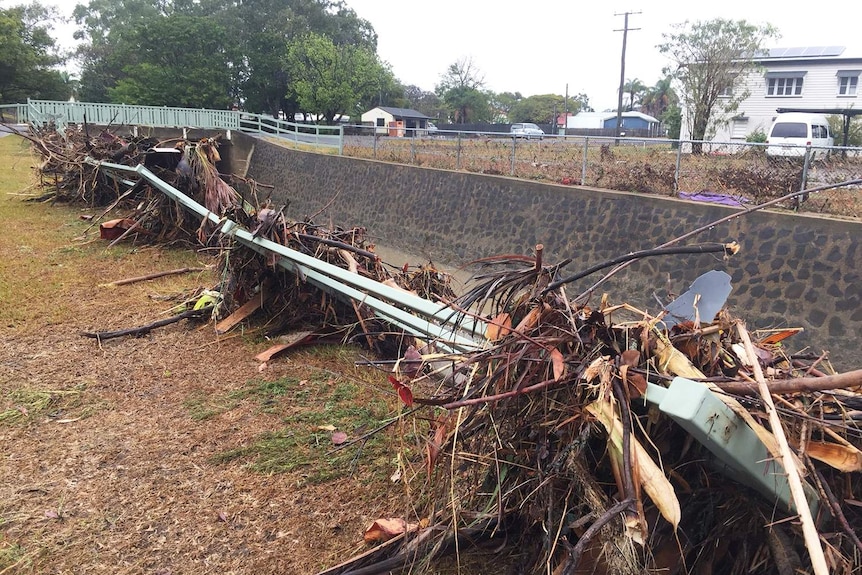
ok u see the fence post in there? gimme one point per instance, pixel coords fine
(512, 167)
(413, 147)
(458, 153)
(676, 168)
(584, 163)
(804, 184)
(376, 135)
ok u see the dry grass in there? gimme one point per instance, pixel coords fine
(175, 452)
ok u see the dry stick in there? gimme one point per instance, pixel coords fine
(807, 384)
(717, 222)
(154, 276)
(837, 512)
(145, 329)
(490, 398)
(812, 538)
(589, 533)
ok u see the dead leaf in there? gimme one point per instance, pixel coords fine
(403, 391)
(432, 449)
(387, 528)
(261, 367)
(776, 337)
(330, 428)
(559, 364)
(499, 327)
(222, 516)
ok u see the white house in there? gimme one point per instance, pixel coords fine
(396, 121)
(813, 79)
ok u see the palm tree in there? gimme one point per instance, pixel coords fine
(635, 90)
(658, 99)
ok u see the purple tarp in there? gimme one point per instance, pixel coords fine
(704, 196)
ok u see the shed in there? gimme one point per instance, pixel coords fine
(608, 121)
(396, 121)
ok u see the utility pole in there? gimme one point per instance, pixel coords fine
(625, 31)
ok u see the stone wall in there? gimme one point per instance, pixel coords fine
(792, 270)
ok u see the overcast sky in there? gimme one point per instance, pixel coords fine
(540, 46)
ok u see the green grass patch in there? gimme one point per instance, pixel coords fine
(24, 404)
(314, 409)
(12, 556)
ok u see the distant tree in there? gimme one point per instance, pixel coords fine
(103, 27)
(709, 57)
(176, 60)
(29, 57)
(428, 103)
(539, 109)
(658, 99)
(634, 90)
(461, 89)
(580, 103)
(503, 103)
(331, 80)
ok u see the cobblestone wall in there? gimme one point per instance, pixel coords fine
(792, 270)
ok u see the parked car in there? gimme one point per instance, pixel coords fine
(792, 132)
(526, 130)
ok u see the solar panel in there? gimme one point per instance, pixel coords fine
(806, 51)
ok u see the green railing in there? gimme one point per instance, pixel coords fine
(61, 114)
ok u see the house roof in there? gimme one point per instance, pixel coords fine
(608, 115)
(402, 112)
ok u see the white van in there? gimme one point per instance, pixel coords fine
(792, 132)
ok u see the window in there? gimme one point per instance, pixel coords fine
(848, 82)
(381, 122)
(726, 92)
(789, 130)
(819, 132)
(784, 87)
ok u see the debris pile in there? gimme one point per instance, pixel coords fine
(571, 438)
(606, 440)
(72, 171)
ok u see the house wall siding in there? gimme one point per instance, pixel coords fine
(819, 91)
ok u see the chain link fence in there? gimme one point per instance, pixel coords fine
(730, 172)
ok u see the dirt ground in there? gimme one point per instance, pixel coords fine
(169, 453)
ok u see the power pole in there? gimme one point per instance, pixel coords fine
(625, 31)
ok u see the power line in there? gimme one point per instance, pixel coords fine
(625, 30)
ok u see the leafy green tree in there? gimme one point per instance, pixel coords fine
(711, 57)
(29, 57)
(502, 105)
(103, 26)
(420, 100)
(539, 109)
(176, 60)
(330, 79)
(461, 89)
